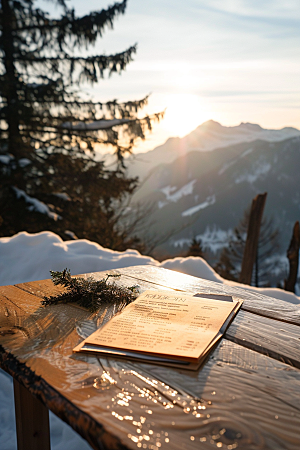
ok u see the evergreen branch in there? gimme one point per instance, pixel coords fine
(41, 70)
(105, 60)
(89, 293)
(83, 29)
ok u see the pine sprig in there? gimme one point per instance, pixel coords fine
(89, 293)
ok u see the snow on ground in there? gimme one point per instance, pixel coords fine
(173, 194)
(194, 266)
(233, 161)
(209, 201)
(260, 169)
(28, 257)
(213, 239)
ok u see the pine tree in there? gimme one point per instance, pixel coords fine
(50, 178)
(195, 248)
(225, 267)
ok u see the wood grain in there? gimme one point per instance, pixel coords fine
(247, 399)
(40, 288)
(239, 391)
(27, 301)
(253, 301)
(275, 339)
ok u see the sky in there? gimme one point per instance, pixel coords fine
(231, 61)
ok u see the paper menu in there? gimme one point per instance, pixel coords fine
(164, 323)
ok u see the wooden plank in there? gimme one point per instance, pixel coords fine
(12, 317)
(52, 396)
(40, 288)
(264, 335)
(32, 420)
(253, 301)
(7, 303)
(249, 330)
(168, 279)
(23, 300)
(241, 399)
(234, 385)
(277, 340)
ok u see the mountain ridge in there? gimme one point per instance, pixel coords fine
(206, 137)
(203, 194)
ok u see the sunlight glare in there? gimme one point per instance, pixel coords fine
(184, 113)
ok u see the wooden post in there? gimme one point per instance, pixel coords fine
(293, 257)
(32, 420)
(256, 213)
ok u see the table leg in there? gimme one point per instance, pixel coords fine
(32, 420)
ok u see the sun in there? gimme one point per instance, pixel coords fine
(184, 112)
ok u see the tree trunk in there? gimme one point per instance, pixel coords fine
(11, 81)
(293, 257)
(256, 268)
(257, 209)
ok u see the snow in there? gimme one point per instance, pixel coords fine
(233, 161)
(5, 159)
(213, 239)
(71, 234)
(192, 266)
(185, 190)
(261, 169)
(94, 126)
(36, 205)
(207, 137)
(226, 166)
(209, 201)
(23, 162)
(212, 134)
(63, 196)
(46, 251)
(35, 85)
(167, 190)
(26, 257)
(247, 152)
(62, 436)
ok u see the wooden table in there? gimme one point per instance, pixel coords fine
(247, 395)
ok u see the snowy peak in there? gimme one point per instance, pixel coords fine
(204, 191)
(211, 135)
(205, 138)
(210, 124)
(250, 126)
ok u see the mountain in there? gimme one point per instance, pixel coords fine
(207, 137)
(205, 193)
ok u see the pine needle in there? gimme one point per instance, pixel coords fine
(89, 293)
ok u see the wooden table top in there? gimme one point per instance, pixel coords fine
(246, 396)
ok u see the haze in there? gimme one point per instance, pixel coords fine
(228, 60)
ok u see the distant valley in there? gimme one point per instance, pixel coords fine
(198, 190)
